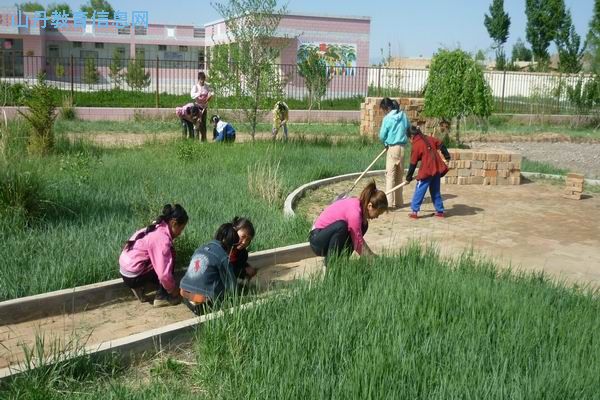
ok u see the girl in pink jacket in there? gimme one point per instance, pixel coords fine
(148, 257)
(341, 227)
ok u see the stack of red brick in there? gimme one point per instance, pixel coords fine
(371, 115)
(574, 188)
(483, 167)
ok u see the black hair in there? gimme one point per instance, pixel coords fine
(389, 104)
(227, 236)
(201, 75)
(413, 130)
(281, 106)
(241, 223)
(194, 110)
(215, 118)
(395, 105)
(169, 213)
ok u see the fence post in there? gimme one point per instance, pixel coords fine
(379, 82)
(157, 83)
(72, 79)
(503, 88)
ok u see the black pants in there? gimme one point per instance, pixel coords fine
(187, 129)
(202, 126)
(142, 280)
(333, 240)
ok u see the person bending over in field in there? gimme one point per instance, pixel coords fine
(341, 227)
(222, 131)
(281, 114)
(210, 274)
(189, 115)
(148, 257)
(432, 169)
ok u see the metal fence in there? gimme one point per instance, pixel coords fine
(513, 92)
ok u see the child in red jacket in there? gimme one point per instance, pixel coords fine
(425, 149)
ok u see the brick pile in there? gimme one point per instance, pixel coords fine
(371, 115)
(483, 167)
(574, 188)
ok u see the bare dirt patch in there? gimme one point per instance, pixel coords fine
(528, 227)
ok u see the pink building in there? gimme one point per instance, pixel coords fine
(173, 53)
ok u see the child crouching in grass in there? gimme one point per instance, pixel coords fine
(239, 255)
(222, 131)
(189, 115)
(148, 257)
(210, 274)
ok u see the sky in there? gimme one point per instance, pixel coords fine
(410, 28)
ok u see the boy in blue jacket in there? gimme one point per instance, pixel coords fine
(393, 136)
(222, 131)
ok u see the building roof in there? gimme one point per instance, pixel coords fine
(309, 15)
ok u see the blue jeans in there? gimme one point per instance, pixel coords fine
(433, 184)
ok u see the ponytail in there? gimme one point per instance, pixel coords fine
(227, 236)
(169, 213)
(388, 104)
(371, 194)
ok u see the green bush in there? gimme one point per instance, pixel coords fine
(90, 73)
(41, 103)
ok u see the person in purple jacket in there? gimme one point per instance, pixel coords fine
(148, 257)
(341, 227)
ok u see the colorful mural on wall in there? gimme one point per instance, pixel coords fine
(339, 57)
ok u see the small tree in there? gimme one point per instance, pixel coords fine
(136, 77)
(250, 71)
(98, 5)
(570, 49)
(520, 52)
(59, 70)
(60, 7)
(313, 68)
(30, 6)
(585, 96)
(90, 72)
(41, 102)
(498, 25)
(114, 70)
(456, 88)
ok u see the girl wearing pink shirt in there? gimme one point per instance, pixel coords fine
(201, 94)
(341, 227)
(149, 257)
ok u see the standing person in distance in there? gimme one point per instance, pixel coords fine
(393, 136)
(281, 115)
(201, 94)
(432, 169)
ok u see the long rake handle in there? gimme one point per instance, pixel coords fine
(368, 168)
(396, 188)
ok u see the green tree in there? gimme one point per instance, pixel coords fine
(136, 76)
(115, 69)
(313, 68)
(544, 18)
(585, 96)
(58, 7)
(90, 72)
(497, 24)
(250, 72)
(570, 48)
(593, 38)
(520, 52)
(41, 102)
(456, 88)
(98, 5)
(30, 6)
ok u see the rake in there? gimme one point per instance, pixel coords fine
(343, 195)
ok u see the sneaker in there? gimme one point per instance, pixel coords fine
(413, 215)
(440, 215)
(164, 301)
(139, 294)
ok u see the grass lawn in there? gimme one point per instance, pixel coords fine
(85, 202)
(410, 326)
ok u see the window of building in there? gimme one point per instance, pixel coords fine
(141, 31)
(99, 45)
(53, 51)
(89, 28)
(140, 53)
(183, 49)
(162, 47)
(86, 54)
(171, 32)
(77, 45)
(201, 59)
